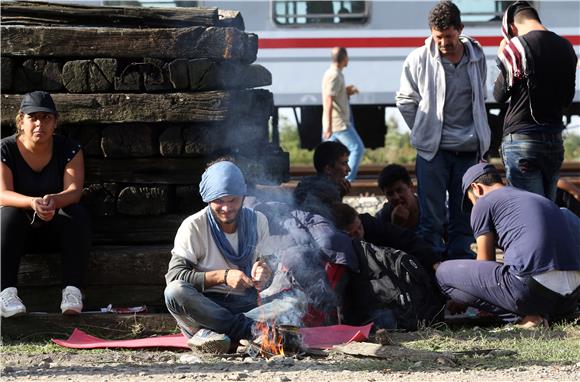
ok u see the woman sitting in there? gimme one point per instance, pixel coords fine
(41, 186)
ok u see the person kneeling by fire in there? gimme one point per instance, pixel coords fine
(214, 276)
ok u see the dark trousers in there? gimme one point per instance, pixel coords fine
(492, 287)
(68, 231)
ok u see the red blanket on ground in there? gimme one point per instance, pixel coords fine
(323, 337)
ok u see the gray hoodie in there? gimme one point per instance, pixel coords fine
(421, 96)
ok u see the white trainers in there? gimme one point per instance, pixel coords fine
(11, 304)
(209, 342)
(72, 300)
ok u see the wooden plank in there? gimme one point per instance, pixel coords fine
(169, 107)
(195, 42)
(130, 140)
(89, 76)
(7, 68)
(108, 265)
(36, 74)
(266, 168)
(141, 230)
(143, 201)
(43, 327)
(44, 13)
(230, 18)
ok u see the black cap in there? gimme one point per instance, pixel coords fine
(37, 101)
(470, 176)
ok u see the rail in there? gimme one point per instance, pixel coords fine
(366, 181)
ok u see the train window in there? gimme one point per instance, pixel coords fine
(293, 13)
(481, 10)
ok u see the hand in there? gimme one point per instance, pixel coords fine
(400, 215)
(261, 273)
(344, 186)
(351, 90)
(326, 134)
(238, 280)
(455, 307)
(44, 207)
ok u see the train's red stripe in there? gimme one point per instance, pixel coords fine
(368, 42)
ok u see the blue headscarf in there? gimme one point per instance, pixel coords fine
(223, 179)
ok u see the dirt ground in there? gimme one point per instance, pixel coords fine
(140, 366)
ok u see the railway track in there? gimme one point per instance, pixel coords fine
(366, 181)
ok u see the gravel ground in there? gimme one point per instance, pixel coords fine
(133, 366)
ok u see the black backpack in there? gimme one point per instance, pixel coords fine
(390, 278)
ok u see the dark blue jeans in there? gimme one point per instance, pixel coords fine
(492, 287)
(532, 162)
(435, 178)
(222, 313)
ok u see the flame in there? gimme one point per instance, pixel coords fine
(272, 340)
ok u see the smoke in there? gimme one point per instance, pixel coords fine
(299, 284)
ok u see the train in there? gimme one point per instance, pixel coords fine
(296, 37)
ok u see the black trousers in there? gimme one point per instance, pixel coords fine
(69, 231)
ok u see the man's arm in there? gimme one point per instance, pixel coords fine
(408, 97)
(182, 269)
(500, 91)
(486, 247)
(327, 100)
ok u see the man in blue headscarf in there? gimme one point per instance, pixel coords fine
(213, 275)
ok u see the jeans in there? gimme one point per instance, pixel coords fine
(355, 145)
(491, 286)
(222, 313)
(68, 231)
(532, 162)
(443, 174)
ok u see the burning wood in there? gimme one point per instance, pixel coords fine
(272, 340)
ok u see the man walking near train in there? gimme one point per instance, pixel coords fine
(537, 74)
(337, 119)
(442, 99)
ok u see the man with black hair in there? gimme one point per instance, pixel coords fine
(331, 162)
(402, 206)
(337, 119)
(537, 76)
(442, 99)
(539, 278)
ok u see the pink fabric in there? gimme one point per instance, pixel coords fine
(81, 340)
(323, 337)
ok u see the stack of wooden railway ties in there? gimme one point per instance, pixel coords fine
(152, 94)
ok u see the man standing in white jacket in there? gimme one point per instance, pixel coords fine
(442, 99)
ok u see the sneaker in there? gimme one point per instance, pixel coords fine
(208, 341)
(72, 300)
(11, 303)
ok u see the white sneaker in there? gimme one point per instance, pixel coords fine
(11, 304)
(209, 341)
(72, 300)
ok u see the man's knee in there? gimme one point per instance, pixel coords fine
(178, 291)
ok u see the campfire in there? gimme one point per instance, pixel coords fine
(272, 340)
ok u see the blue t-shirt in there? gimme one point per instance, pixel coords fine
(532, 231)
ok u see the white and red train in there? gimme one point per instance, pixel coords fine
(295, 38)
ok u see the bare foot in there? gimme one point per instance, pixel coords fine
(532, 322)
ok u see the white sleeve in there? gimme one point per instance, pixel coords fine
(408, 97)
(185, 241)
